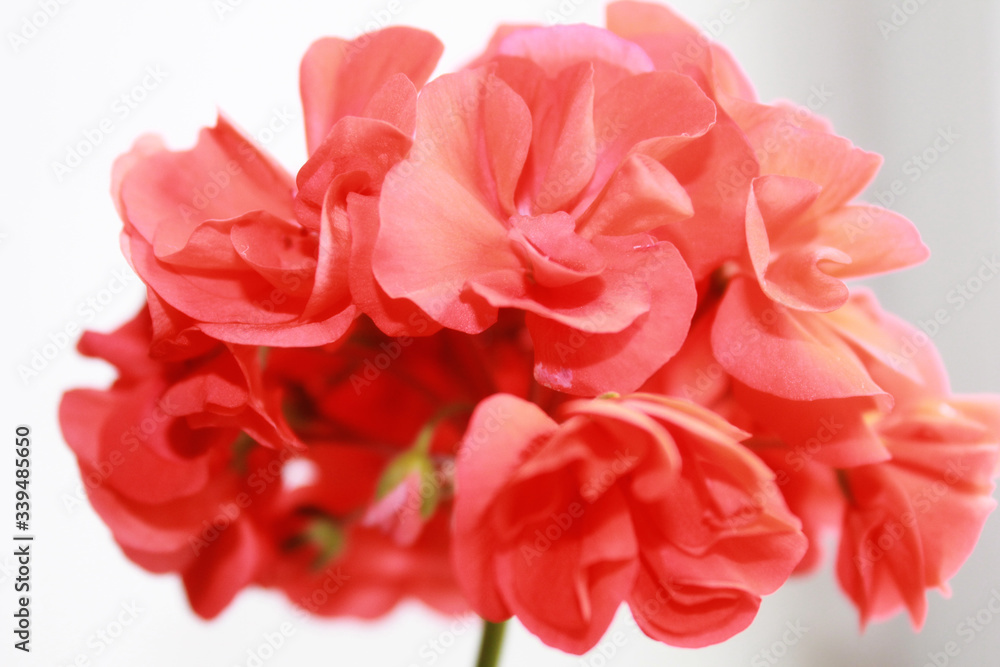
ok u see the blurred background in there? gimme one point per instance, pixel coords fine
(914, 80)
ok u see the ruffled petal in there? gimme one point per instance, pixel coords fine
(781, 352)
(340, 78)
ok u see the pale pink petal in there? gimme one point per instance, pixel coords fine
(492, 50)
(557, 47)
(730, 79)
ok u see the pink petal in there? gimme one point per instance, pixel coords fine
(222, 177)
(175, 335)
(789, 146)
(126, 348)
(877, 240)
(629, 19)
(782, 352)
(220, 295)
(440, 224)
(578, 603)
(500, 430)
(285, 334)
(330, 289)
(563, 147)
(395, 103)
(659, 111)
(338, 78)
(641, 196)
(228, 565)
(834, 432)
(901, 358)
(394, 317)
(788, 263)
(364, 145)
(716, 171)
(557, 47)
(556, 255)
(730, 79)
(674, 44)
(492, 50)
(90, 423)
(282, 253)
(605, 303)
(686, 615)
(398, 513)
(878, 580)
(583, 362)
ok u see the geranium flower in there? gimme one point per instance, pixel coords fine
(155, 452)
(533, 184)
(641, 499)
(804, 238)
(223, 235)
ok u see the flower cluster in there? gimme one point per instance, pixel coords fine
(562, 330)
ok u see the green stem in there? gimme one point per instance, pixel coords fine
(489, 648)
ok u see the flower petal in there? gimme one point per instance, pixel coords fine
(440, 220)
(222, 177)
(585, 362)
(502, 428)
(338, 78)
(775, 350)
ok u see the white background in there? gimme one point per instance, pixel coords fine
(892, 92)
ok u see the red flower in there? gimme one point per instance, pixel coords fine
(578, 212)
(715, 169)
(155, 452)
(533, 183)
(641, 499)
(804, 238)
(376, 514)
(219, 232)
(912, 521)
